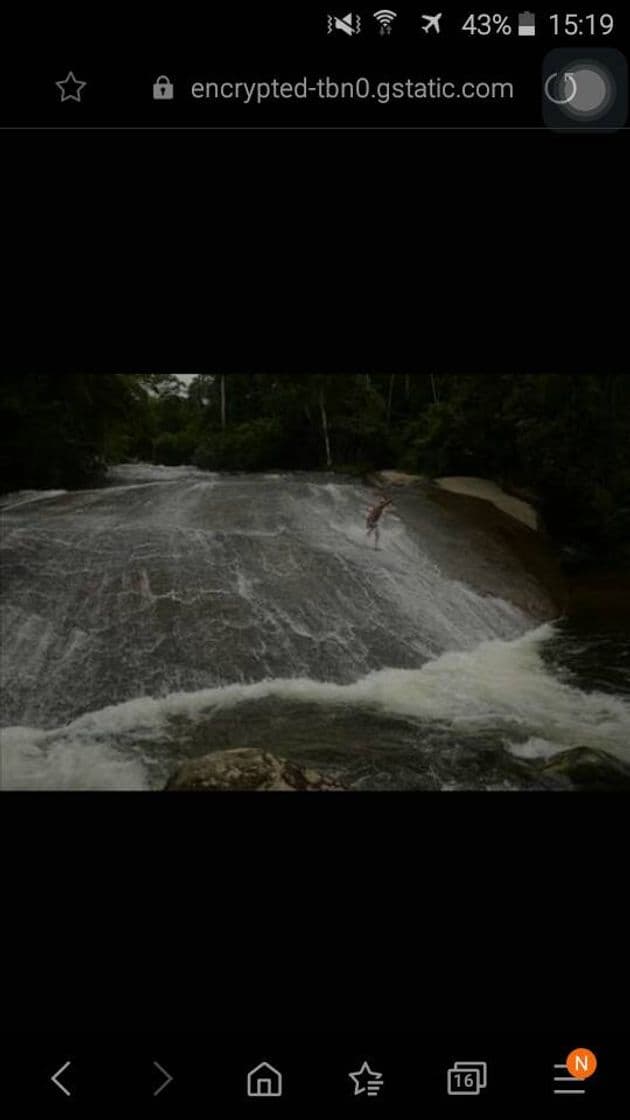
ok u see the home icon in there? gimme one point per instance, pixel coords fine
(264, 1081)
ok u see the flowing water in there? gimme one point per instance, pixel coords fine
(173, 613)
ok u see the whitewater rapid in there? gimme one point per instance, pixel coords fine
(499, 685)
(175, 612)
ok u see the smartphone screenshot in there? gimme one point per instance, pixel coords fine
(314, 555)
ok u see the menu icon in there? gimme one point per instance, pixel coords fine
(570, 1077)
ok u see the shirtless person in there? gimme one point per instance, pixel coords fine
(375, 513)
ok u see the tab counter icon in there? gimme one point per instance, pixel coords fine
(467, 1079)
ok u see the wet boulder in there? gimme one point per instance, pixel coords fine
(590, 770)
(248, 769)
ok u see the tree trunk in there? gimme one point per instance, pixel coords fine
(223, 403)
(322, 406)
(390, 399)
(407, 387)
(436, 397)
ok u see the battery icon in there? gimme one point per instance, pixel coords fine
(526, 23)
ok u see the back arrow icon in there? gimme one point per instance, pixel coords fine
(55, 1078)
(167, 1079)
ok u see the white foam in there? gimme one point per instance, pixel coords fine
(535, 748)
(155, 472)
(106, 491)
(27, 497)
(33, 760)
(497, 686)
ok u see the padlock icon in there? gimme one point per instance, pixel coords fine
(163, 89)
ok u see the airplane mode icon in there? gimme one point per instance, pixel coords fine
(432, 23)
(350, 24)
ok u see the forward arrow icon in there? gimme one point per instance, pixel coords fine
(167, 1079)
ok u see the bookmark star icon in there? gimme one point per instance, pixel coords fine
(70, 87)
(366, 1081)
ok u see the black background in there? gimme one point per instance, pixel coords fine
(186, 251)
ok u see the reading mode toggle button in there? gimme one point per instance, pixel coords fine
(591, 91)
(582, 91)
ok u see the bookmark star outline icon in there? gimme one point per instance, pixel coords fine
(366, 1081)
(70, 87)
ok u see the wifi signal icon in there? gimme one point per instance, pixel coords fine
(385, 17)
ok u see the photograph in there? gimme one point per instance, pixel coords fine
(314, 582)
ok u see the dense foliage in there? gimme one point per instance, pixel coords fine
(565, 438)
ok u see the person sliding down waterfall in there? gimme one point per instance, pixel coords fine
(374, 515)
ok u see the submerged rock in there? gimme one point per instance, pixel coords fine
(590, 770)
(248, 769)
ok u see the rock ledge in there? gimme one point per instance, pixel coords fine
(248, 769)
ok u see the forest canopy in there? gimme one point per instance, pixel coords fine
(563, 437)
